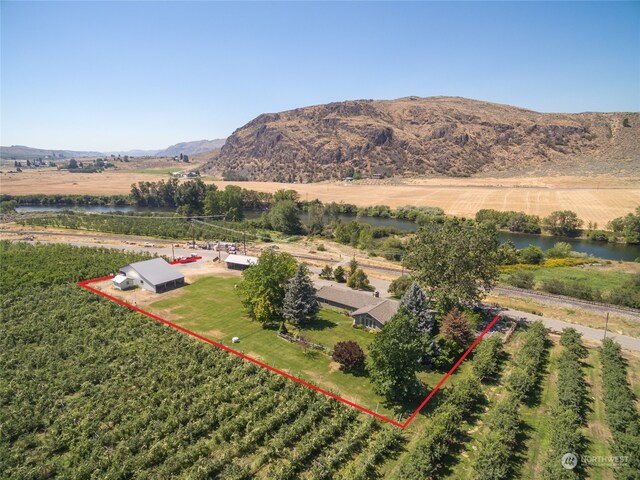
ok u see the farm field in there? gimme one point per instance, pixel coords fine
(113, 392)
(598, 200)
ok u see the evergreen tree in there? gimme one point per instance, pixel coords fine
(326, 272)
(358, 280)
(353, 266)
(456, 328)
(415, 302)
(300, 303)
(338, 274)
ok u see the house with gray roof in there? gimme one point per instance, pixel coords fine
(155, 275)
(375, 316)
(367, 309)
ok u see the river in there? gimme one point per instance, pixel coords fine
(607, 251)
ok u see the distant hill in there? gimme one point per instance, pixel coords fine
(21, 152)
(427, 136)
(191, 148)
(188, 148)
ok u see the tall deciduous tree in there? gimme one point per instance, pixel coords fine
(393, 357)
(285, 217)
(300, 303)
(263, 285)
(562, 222)
(456, 261)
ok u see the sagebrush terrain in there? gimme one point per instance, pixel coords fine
(427, 136)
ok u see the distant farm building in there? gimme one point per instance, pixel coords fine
(240, 262)
(367, 309)
(155, 275)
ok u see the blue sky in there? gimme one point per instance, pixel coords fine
(120, 75)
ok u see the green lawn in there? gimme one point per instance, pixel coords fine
(594, 277)
(211, 306)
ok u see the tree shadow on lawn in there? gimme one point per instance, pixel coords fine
(319, 324)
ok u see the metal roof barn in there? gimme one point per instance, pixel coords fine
(240, 262)
(155, 275)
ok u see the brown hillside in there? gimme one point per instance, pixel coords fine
(427, 136)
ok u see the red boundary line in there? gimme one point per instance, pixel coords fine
(85, 284)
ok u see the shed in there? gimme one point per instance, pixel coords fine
(121, 282)
(240, 262)
(155, 275)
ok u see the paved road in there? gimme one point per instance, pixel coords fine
(630, 343)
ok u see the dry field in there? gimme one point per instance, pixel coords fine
(604, 200)
(597, 199)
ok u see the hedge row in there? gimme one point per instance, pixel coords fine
(620, 409)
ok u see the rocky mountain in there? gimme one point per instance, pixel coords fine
(426, 136)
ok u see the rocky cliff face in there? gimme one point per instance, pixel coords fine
(423, 136)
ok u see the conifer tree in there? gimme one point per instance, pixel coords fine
(415, 302)
(300, 302)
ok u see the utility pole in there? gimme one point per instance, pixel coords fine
(193, 234)
(244, 241)
(606, 324)
(173, 253)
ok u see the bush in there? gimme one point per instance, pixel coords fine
(359, 280)
(321, 247)
(559, 250)
(338, 274)
(571, 289)
(531, 255)
(521, 279)
(349, 355)
(486, 357)
(400, 285)
(529, 360)
(326, 272)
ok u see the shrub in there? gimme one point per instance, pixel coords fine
(521, 279)
(559, 250)
(486, 357)
(349, 355)
(321, 247)
(326, 272)
(531, 255)
(358, 280)
(400, 285)
(338, 274)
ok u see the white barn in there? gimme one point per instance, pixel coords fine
(155, 275)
